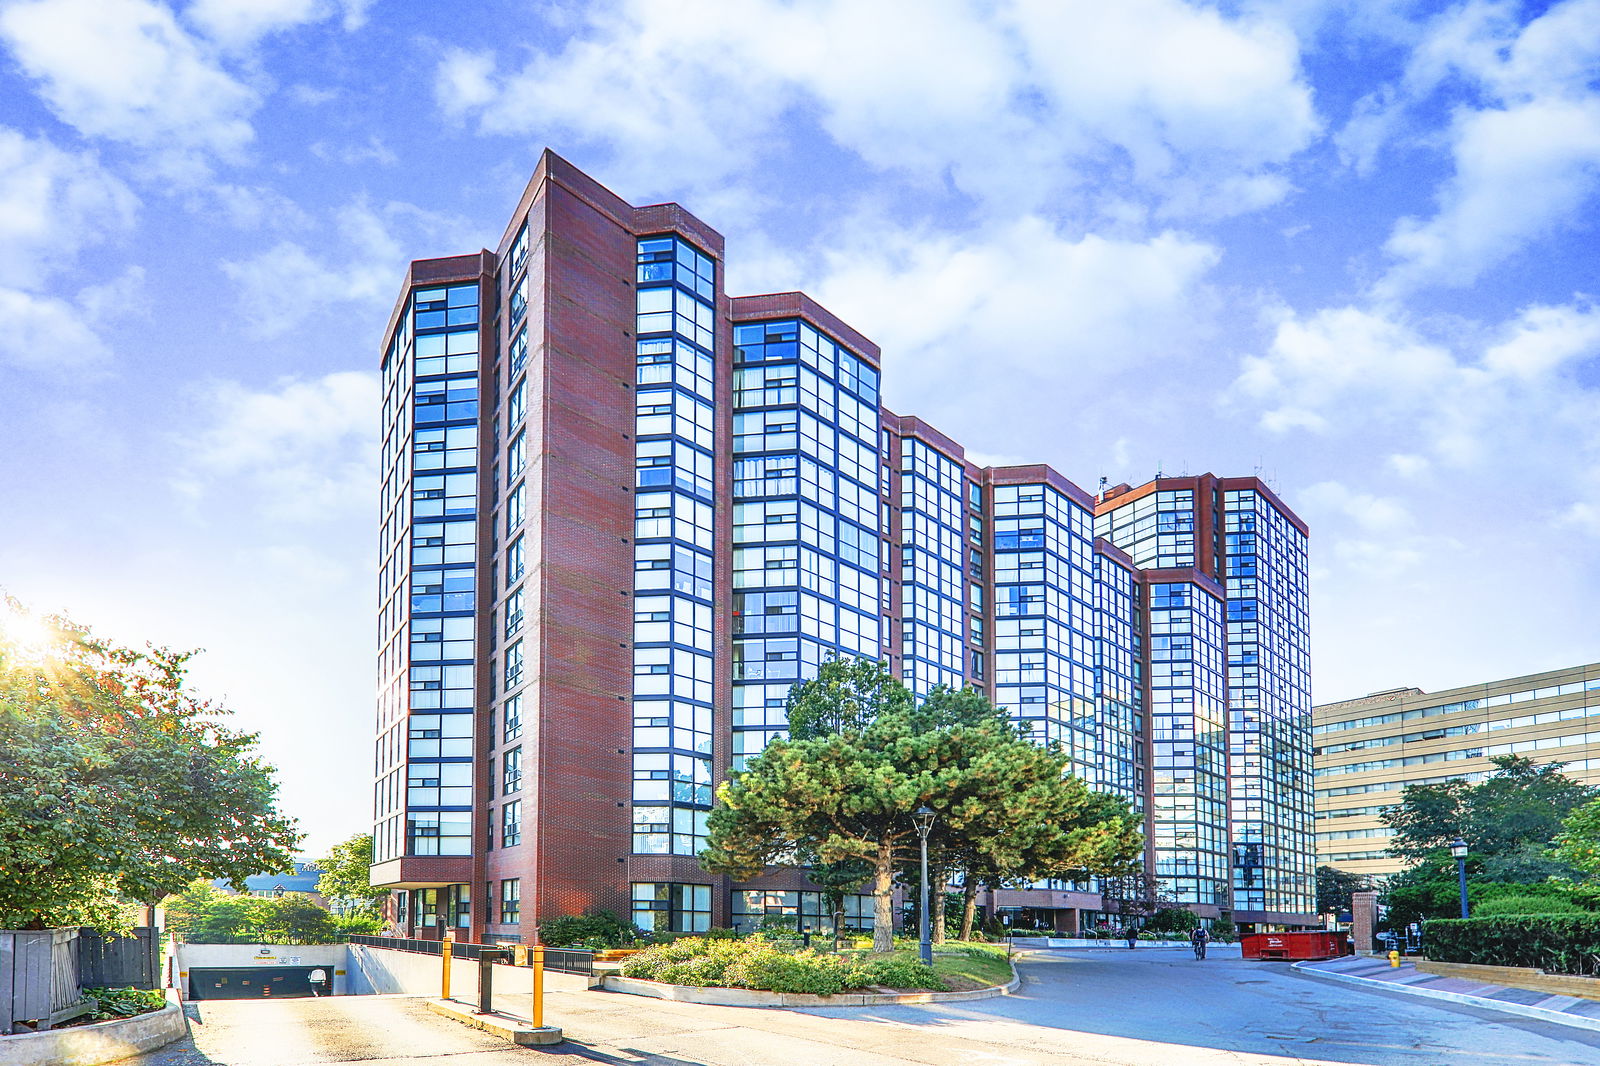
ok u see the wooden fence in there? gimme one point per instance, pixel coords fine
(39, 984)
(43, 972)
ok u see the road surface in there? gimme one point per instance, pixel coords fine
(1105, 1008)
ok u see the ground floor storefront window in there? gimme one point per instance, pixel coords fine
(671, 908)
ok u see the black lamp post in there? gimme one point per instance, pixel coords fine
(1458, 848)
(923, 817)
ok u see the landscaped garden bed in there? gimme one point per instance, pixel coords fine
(774, 966)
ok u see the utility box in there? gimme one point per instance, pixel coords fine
(1295, 947)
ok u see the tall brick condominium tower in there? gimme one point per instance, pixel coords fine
(623, 512)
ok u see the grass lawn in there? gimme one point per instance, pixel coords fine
(964, 966)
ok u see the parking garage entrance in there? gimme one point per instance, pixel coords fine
(261, 982)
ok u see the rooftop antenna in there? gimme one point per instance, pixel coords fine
(1104, 481)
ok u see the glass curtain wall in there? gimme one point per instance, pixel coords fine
(673, 574)
(443, 455)
(1156, 530)
(1119, 679)
(1189, 734)
(1269, 696)
(1044, 644)
(805, 542)
(933, 637)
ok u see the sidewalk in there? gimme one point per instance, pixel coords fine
(1378, 975)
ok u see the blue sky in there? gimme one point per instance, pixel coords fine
(1349, 245)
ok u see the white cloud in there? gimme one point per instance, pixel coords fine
(1524, 140)
(1520, 173)
(464, 81)
(1338, 356)
(1545, 339)
(52, 205)
(1011, 103)
(373, 151)
(303, 449)
(45, 333)
(280, 287)
(121, 295)
(1510, 406)
(1368, 512)
(238, 23)
(1019, 298)
(127, 71)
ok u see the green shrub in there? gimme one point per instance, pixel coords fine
(596, 931)
(901, 973)
(1528, 904)
(123, 1002)
(759, 963)
(1172, 920)
(1556, 943)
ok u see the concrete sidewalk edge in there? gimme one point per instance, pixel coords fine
(502, 1025)
(1542, 1014)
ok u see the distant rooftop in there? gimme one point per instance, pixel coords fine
(304, 879)
(1373, 699)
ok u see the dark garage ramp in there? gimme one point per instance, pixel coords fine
(259, 982)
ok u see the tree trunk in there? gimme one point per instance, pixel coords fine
(883, 899)
(936, 889)
(969, 906)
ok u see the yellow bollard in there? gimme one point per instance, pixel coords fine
(538, 986)
(446, 949)
(1394, 958)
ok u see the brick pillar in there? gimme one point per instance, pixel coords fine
(1364, 919)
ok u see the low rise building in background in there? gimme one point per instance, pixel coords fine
(1368, 750)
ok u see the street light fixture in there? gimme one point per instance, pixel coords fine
(923, 819)
(1458, 848)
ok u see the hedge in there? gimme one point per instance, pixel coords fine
(1555, 943)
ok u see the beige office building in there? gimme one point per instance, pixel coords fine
(1365, 751)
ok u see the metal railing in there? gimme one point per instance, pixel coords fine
(562, 960)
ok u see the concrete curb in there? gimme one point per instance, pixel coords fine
(1542, 1014)
(502, 1025)
(750, 997)
(99, 1042)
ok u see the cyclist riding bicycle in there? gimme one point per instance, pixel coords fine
(1199, 938)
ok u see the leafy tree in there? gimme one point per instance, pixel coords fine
(1172, 920)
(1335, 888)
(1578, 844)
(345, 876)
(1508, 820)
(204, 914)
(294, 919)
(844, 698)
(117, 781)
(1135, 894)
(847, 787)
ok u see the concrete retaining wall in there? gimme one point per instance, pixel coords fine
(90, 1045)
(1557, 984)
(332, 957)
(750, 997)
(384, 971)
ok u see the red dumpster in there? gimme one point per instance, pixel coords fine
(1314, 944)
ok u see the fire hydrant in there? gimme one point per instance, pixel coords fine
(1394, 958)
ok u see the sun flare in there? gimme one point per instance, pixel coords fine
(24, 636)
